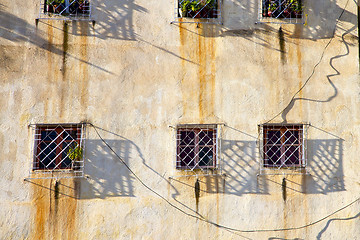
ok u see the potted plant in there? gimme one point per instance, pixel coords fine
(76, 155)
(272, 8)
(191, 9)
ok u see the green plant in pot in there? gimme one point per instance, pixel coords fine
(190, 8)
(76, 155)
(272, 8)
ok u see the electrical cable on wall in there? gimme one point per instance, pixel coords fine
(206, 220)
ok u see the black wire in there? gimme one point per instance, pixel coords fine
(206, 220)
(315, 66)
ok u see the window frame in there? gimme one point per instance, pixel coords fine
(281, 11)
(60, 10)
(197, 146)
(282, 144)
(204, 13)
(42, 136)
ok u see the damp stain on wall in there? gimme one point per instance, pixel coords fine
(83, 67)
(55, 205)
(197, 50)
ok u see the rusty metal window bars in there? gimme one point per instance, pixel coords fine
(197, 147)
(58, 150)
(281, 11)
(283, 146)
(206, 11)
(65, 10)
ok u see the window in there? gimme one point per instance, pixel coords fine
(207, 10)
(283, 146)
(196, 147)
(281, 9)
(68, 9)
(58, 147)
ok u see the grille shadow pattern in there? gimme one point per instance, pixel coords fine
(58, 150)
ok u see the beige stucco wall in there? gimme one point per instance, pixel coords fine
(135, 76)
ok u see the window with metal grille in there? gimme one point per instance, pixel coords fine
(198, 9)
(58, 147)
(281, 9)
(196, 147)
(283, 146)
(65, 9)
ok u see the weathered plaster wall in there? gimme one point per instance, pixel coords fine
(133, 74)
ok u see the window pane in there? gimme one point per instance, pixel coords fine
(187, 138)
(273, 137)
(206, 138)
(70, 135)
(187, 155)
(272, 155)
(292, 155)
(48, 135)
(65, 160)
(291, 137)
(48, 153)
(206, 156)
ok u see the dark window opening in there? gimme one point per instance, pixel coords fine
(196, 148)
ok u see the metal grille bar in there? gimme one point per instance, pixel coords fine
(58, 150)
(281, 11)
(197, 148)
(207, 11)
(283, 146)
(65, 10)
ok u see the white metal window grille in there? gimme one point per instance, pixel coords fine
(58, 148)
(65, 9)
(281, 11)
(197, 147)
(209, 11)
(283, 146)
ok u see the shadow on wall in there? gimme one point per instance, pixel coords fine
(114, 19)
(107, 175)
(241, 168)
(325, 164)
(15, 29)
(319, 236)
(320, 20)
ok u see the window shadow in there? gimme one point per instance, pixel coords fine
(325, 165)
(106, 175)
(321, 18)
(114, 19)
(241, 167)
(16, 30)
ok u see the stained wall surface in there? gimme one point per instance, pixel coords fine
(135, 76)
